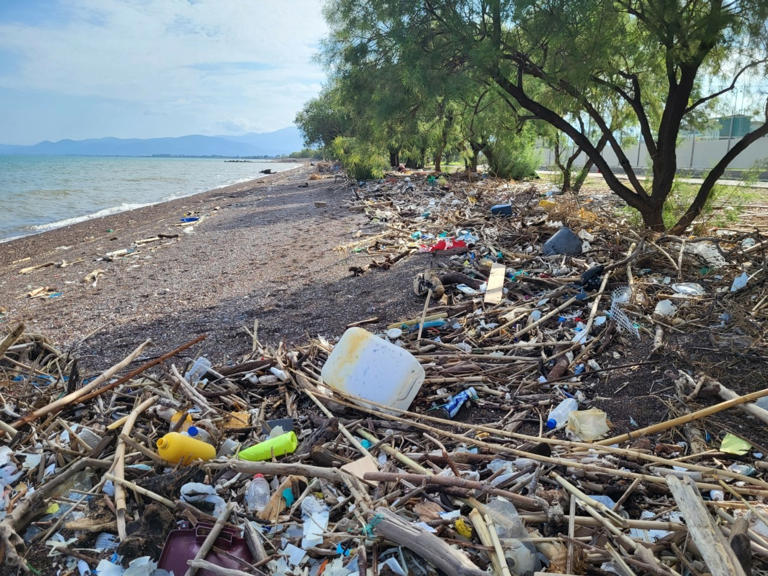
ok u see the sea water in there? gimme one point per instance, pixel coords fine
(39, 193)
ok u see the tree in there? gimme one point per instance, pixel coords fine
(654, 55)
(324, 118)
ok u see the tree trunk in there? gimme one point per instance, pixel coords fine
(438, 158)
(473, 160)
(652, 214)
(582, 176)
(566, 172)
(394, 157)
(565, 169)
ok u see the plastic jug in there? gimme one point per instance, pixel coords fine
(366, 366)
(180, 448)
(279, 445)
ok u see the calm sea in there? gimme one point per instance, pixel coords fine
(39, 193)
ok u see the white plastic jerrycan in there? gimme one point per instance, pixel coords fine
(370, 368)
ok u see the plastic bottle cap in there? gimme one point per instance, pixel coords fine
(192, 431)
(551, 424)
(258, 475)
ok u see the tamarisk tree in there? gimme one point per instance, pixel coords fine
(658, 57)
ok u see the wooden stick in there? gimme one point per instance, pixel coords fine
(728, 394)
(11, 338)
(497, 545)
(277, 469)
(585, 499)
(77, 394)
(698, 415)
(537, 518)
(530, 327)
(596, 303)
(207, 544)
(140, 489)
(484, 535)
(451, 481)
(343, 429)
(424, 313)
(119, 467)
(253, 541)
(394, 452)
(142, 368)
(413, 421)
(434, 550)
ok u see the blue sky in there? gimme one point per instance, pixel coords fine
(149, 68)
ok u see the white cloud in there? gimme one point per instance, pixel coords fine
(226, 62)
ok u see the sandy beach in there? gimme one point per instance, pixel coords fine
(264, 250)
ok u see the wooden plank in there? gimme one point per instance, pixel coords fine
(494, 292)
(714, 549)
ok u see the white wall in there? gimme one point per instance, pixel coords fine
(692, 154)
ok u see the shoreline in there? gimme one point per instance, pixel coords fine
(109, 211)
(263, 251)
(89, 224)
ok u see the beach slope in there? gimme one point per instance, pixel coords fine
(263, 250)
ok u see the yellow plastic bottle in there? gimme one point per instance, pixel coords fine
(279, 445)
(180, 448)
(185, 425)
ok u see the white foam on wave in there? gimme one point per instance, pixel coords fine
(124, 207)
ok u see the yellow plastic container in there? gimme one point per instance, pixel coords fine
(179, 448)
(283, 444)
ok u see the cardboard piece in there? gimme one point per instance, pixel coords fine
(495, 290)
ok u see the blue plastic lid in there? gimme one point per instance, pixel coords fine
(551, 424)
(192, 431)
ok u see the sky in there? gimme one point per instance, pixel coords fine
(150, 68)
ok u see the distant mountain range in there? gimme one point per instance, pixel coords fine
(279, 142)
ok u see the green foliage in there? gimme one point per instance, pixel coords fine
(513, 155)
(360, 160)
(427, 81)
(324, 118)
(307, 153)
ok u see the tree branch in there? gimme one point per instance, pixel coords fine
(551, 117)
(636, 103)
(704, 99)
(714, 175)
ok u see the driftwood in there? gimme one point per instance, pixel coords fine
(78, 394)
(712, 385)
(453, 482)
(437, 552)
(713, 547)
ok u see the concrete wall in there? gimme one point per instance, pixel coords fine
(692, 154)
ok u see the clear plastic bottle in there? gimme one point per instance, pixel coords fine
(198, 434)
(558, 417)
(257, 494)
(520, 554)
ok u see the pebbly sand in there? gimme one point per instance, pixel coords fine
(262, 250)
